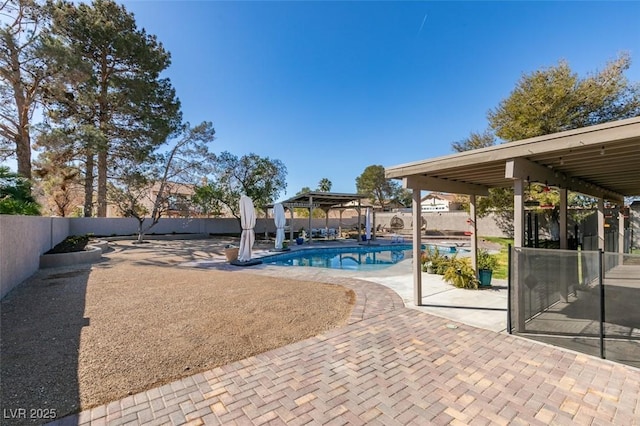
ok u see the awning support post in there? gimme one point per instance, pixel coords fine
(417, 248)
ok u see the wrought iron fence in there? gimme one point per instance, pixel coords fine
(590, 242)
(587, 301)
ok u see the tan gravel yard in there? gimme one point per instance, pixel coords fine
(74, 338)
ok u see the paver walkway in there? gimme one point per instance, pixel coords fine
(393, 365)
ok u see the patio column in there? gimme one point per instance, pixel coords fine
(417, 249)
(601, 224)
(568, 275)
(517, 283)
(621, 230)
(518, 212)
(326, 223)
(291, 225)
(621, 234)
(359, 220)
(563, 219)
(310, 216)
(373, 223)
(474, 233)
(340, 224)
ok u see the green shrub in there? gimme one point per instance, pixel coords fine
(443, 264)
(461, 274)
(70, 244)
(487, 260)
(15, 194)
(438, 262)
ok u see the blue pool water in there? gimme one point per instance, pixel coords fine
(361, 258)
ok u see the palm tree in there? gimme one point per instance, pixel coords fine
(324, 185)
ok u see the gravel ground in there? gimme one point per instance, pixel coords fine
(74, 338)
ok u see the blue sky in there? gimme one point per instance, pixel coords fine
(329, 88)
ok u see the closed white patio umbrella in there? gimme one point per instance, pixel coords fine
(280, 221)
(248, 222)
(367, 224)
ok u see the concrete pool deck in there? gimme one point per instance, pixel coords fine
(485, 308)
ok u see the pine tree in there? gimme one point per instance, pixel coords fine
(120, 108)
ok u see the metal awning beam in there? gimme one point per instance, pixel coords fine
(443, 185)
(520, 168)
(301, 205)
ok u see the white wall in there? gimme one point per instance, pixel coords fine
(22, 240)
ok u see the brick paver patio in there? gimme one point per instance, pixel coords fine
(393, 365)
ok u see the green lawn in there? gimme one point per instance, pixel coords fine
(503, 256)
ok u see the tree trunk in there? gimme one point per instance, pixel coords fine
(103, 150)
(88, 186)
(140, 231)
(23, 151)
(23, 104)
(102, 183)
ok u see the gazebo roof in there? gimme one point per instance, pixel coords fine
(323, 200)
(602, 161)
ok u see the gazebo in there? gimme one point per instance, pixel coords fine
(601, 161)
(325, 201)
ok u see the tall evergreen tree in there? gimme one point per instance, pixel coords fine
(24, 71)
(121, 109)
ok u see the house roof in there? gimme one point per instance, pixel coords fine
(599, 160)
(439, 195)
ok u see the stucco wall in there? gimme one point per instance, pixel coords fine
(106, 226)
(441, 221)
(634, 223)
(22, 240)
(127, 226)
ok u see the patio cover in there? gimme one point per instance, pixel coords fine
(600, 161)
(325, 201)
(322, 200)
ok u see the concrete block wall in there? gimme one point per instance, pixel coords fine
(634, 223)
(226, 226)
(107, 226)
(22, 240)
(440, 221)
(128, 226)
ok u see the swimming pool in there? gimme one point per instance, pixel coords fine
(361, 258)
